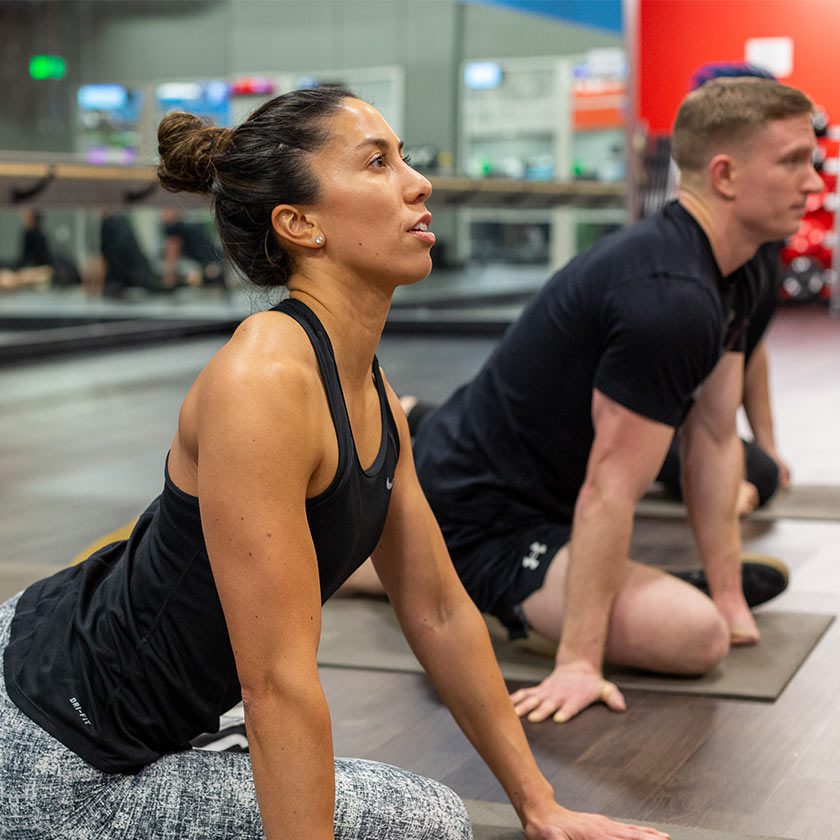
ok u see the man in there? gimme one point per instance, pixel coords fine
(123, 264)
(535, 467)
(765, 471)
(189, 253)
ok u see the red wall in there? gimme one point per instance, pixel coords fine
(678, 36)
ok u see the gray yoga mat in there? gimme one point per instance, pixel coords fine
(364, 633)
(800, 501)
(498, 821)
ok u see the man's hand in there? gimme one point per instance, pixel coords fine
(784, 469)
(569, 689)
(742, 627)
(747, 499)
(561, 824)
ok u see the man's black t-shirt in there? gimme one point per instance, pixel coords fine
(196, 243)
(35, 250)
(643, 316)
(767, 264)
(126, 264)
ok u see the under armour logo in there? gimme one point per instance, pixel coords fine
(532, 560)
(389, 483)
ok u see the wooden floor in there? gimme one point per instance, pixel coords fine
(81, 451)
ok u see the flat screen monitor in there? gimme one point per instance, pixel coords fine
(482, 75)
(205, 99)
(109, 122)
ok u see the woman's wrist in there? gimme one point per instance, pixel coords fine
(543, 819)
(534, 800)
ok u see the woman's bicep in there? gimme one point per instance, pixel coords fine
(254, 466)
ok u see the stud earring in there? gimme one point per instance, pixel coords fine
(319, 240)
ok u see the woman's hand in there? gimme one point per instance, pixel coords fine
(569, 689)
(561, 824)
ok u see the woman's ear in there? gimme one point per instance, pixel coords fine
(295, 228)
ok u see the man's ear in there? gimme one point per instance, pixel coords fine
(722, 171)
(295, 228)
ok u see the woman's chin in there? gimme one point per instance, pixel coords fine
(426, 271)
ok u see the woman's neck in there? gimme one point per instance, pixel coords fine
(353, 314)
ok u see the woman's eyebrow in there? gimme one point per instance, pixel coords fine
(379, 142)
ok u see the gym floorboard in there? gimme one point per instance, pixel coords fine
(82, 449)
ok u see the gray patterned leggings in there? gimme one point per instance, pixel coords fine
(48, 793)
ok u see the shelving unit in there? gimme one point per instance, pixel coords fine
(540, 119)
(810, 256)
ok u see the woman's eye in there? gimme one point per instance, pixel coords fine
(379, 160)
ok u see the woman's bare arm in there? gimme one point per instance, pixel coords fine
(256, 456)
(449, 637)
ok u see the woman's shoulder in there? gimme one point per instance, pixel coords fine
(268, 342)
(268, 357)
(257, 393)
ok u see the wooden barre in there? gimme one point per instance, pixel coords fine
(77, 184)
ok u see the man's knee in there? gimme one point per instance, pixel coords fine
(709, 644)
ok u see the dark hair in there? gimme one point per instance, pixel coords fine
(248, 170)
(728, 70)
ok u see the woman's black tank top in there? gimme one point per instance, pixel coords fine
(126, 656)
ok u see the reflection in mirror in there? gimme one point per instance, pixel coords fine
(495, 106)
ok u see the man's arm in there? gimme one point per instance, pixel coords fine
(627, 452)
(449, 637)
(758, 409)
(713, 468)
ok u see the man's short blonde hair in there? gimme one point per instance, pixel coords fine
(724, 112)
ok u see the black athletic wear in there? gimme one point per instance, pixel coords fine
(767, 266)
(760, 469)
(762, 579)
(643, 316)
(125, 263)
(198, 245)
(196, 242)
(35, 249)
(127, 657)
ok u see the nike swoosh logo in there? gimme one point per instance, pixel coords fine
(389, 483)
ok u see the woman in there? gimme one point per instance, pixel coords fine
(290, 464)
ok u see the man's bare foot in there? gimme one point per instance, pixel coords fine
(747, 499)
(742, 627)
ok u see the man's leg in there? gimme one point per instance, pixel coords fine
(756, 488)
(658, 622)
(761, 471)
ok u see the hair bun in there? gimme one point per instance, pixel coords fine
(187, 146)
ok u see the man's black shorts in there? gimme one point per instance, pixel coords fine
(503, 564)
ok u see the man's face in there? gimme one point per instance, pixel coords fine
(773, 177)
